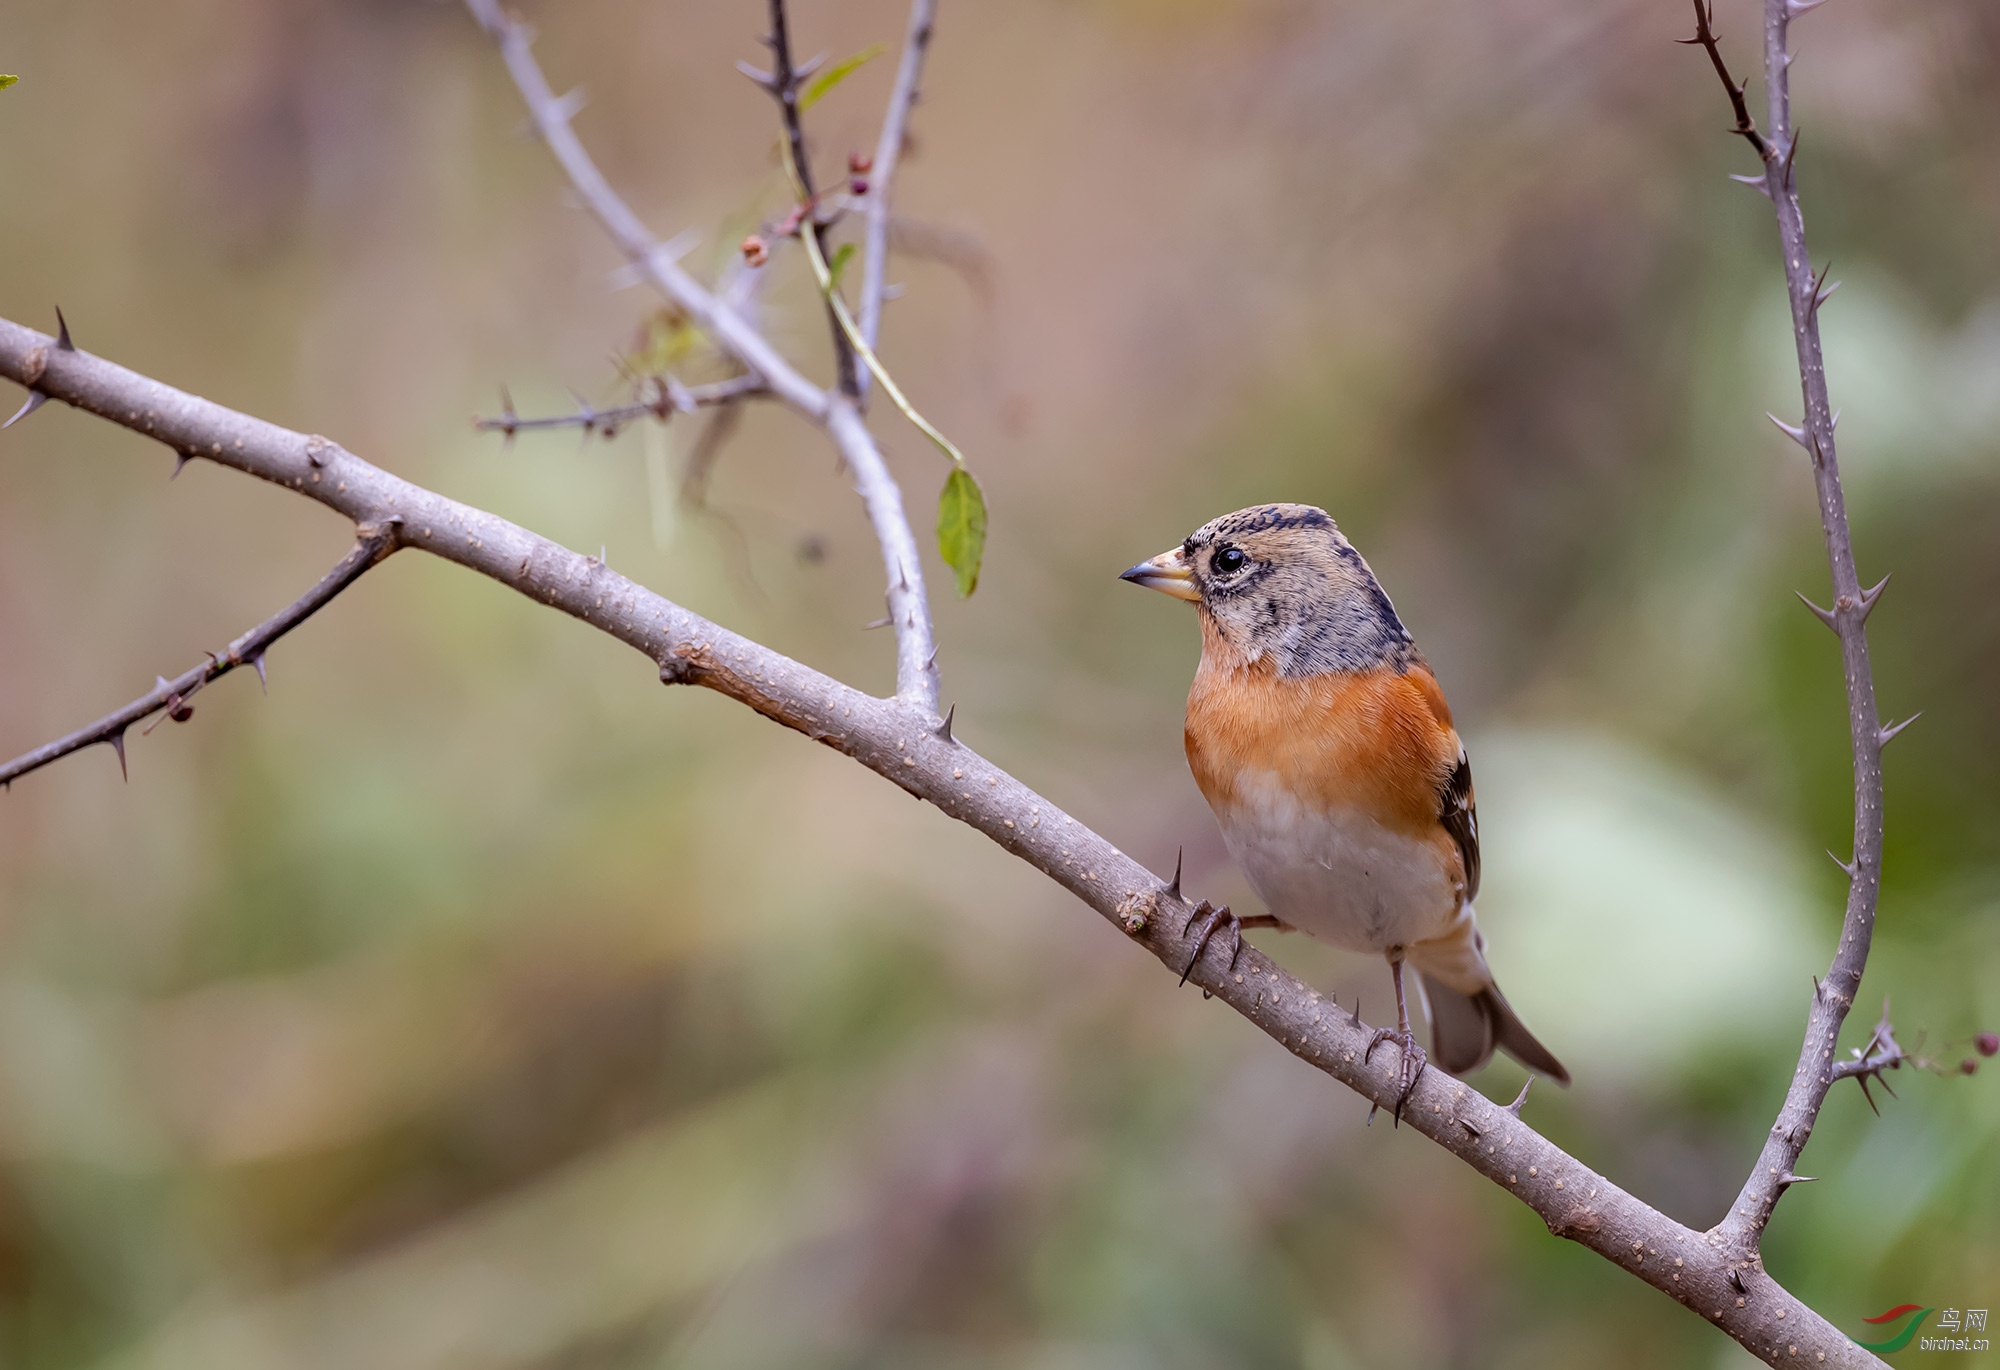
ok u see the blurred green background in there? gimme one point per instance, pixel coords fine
(474, 1002)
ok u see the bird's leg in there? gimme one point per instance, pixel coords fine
(1406, 1042)
(1212, 918)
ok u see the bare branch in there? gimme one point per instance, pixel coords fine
(909, 607)
(670, 398)
(901, 742)
(374, 541)
(882, 171)
(1816, 1071)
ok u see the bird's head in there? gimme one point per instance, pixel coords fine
(1279, 581)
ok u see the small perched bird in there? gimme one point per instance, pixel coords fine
(1324, 745)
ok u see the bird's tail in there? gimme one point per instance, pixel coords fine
(1466, 1028)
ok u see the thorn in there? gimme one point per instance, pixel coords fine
(1825, 615)
(759, 76)
(1174, 889)
(1797, 435)
(805, 69)
(1373, 1109)
(1835, 423)
(36, 399)
(262, 679)
(1521, 1098)
(1819, 281)
(566, 107)
(1862, 1080)
(180, 459)
(1852, 870)
(1816, 984)
(931, 660)
(1791, 151)
(1756, 183)
(1469, 1128)
(117, 741)
(1884, 736)
(63, 344)
(1354, 1019)
(943, 730)
(1787, 1180)
(878, 623)
(1736, 1279)
(1868, 598)
(1795, 8)
(1823, 296)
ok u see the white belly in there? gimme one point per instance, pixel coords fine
(1338, 874)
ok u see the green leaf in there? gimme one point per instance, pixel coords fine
(835, 74)
(841, 256)
(6, 81)
(961, 528)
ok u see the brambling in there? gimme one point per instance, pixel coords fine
(1322, 741)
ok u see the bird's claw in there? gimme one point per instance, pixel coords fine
(1212, 918)
(1412, 1068)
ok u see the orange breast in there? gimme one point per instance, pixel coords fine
(1376, 741)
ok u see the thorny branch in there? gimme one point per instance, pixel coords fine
(782, 81)
(1711, 43)
(882, 171)
(1868, 1062)
(373, 542)
(670, 397)
(1832, 997)
(909, 607)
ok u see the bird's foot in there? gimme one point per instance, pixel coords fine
(1413, 1062)
(1211, 918)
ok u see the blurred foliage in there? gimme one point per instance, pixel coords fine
(471, 1001)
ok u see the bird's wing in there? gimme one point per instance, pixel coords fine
(1459, 813)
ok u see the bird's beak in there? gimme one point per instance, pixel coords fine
(1169, 573)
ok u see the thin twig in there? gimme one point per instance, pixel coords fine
(909, 606)
(882, 172)
(901, 742)
(1816, 1071)
(373, 542)
(671, 399)
(1711, 43)
(784, 88)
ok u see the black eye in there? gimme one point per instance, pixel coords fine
(1228, 561)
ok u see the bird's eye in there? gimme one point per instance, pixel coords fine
(1229, 561)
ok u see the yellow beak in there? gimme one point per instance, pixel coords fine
(1169, 573)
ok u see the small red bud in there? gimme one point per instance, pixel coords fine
(858, 184)
(755, 252)
(1967, 1066)
(181, 713)
(1988, 1043)
(860, 163)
